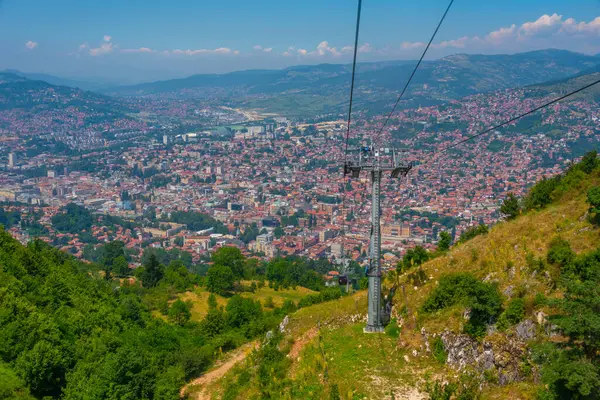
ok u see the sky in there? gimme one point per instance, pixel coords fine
(128, 41)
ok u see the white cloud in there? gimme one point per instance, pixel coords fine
(456, 43)
(140, 50)
(268, 50)
(544, 23)
(365, 48)
(500, 34)
(302, 52)
(411, 45)
(546, 31)
(257, 47)
(107, 38)
(31, 44)
(105, 48)
(220, 50)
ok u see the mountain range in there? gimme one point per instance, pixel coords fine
(318, 88)
(308, 90)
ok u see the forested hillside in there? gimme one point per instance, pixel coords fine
(70, 331)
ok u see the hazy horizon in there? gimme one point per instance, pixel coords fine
(139, 41)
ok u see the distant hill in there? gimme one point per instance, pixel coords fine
(59, 81)
(323, 87)
(564, 86)
(48, 117)
(20, 92)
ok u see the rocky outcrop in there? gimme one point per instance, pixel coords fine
(526, 330)
(498, 353)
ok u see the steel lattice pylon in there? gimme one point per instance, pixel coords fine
(375, 161)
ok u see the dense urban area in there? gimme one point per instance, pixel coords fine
(272, 185)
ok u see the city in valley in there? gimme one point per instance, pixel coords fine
(191, 176)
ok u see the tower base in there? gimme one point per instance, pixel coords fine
(374, 329)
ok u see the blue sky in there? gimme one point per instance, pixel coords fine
(135, 40)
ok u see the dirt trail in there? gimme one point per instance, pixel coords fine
(302, 341)
(218, 372)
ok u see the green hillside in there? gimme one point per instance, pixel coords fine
(532, 290)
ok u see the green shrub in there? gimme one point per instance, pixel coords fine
(269, 302)
(334, 392)
(510, 207)
(571, 370)
(392, 329)
(413, 258)
(593, 197)
(547, 190)
(560, 252)
(540, 195)
(540, 300)
(466, 388)
(439, 351)
(482, 298)
(473, 232)
(515, 312)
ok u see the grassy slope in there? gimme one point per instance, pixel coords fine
(375, 364)
(199, 298)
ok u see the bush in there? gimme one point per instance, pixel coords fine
(572, 369)
(413, 258)
(179, 312)
(515, 312)
(593, 197)
(510, 207)
(326, 295)
(392, 329)
(482, 298)
(540, 195)
(560, 252)
(473, 232)
(439, 351)
(546, 190)
(466, 388)
(269, 302)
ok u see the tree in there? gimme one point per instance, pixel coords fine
(593, 197)
(414, 258)
(334, 392)
(230, 257)
(120, 266)
(11, 386)
(152, 272)
(572, 370)
(510, 207)
(212, 302)
(472, 232)
(278, 232)
(241, 311)
(219, 279)
(444, 242)
(589, 162)
(178, 241)
(363, 283)
(179, 312)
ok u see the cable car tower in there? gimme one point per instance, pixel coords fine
(376, 161)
